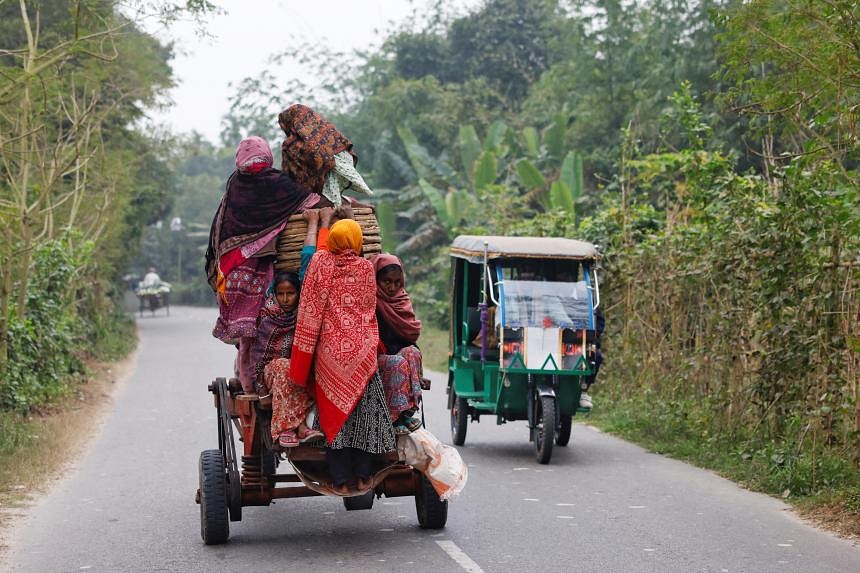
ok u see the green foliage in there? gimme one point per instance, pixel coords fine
(530, 142)
(486, 171)
(561, 197)
(529, 176)
(42, 343)
(78, 182)
(470, 147)
(791, 68)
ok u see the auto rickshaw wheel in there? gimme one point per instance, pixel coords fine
(214, 520)
(545, 429)
(565, 427)
(459, 420)
(363, 501)
(432, 511)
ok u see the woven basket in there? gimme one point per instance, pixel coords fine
(292, 238)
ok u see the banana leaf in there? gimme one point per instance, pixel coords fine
(529, 175)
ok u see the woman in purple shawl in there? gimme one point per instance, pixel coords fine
(256, 205)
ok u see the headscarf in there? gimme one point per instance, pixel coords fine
(275, 329)
(336, 333)
(253, 208)
(253, 155)
(345, 235)
(310, 145)
(396, 311)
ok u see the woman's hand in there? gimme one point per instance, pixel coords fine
(326, 213)
(312, 216)
(345, 210)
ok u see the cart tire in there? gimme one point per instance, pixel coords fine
(432, 511)
(545, 432)
(363, 501)
(565, 427)
(214, 521)
(459, 420)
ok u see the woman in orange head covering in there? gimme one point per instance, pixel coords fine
(337, 335)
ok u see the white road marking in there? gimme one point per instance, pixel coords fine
(564, 516)
(530, 499)
(459, 556)
(636, 506)
(783, 544)
(565, 504)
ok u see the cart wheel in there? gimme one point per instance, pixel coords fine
(563, 436)
(363, 501)
(545, 429)
(432, 511)
(214, 522)
(459, 420)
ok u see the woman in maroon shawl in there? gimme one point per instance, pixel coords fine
(399, 329)
(256, 205)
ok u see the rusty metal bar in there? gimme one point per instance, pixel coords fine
(298, 491)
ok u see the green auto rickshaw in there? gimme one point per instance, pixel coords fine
(522, 333)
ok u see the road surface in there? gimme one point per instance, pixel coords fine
(601, 505)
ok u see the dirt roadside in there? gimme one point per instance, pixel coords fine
(63, 436)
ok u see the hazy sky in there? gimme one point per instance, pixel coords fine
(249, 31)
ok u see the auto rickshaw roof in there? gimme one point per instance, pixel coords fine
(471, 248)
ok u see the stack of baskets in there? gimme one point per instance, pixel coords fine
(292, 238)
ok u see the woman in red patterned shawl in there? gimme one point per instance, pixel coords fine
(256, 205)
(399, 357)
(337, 335)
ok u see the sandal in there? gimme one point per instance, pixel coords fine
(288, 439)
(309, 435)
(406, 425)
(412, 423)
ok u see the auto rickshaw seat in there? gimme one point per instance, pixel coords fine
(473, 337)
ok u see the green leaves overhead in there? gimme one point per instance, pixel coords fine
(436, 199)
(387, 225)
(486, 171)
(424, 164)
(529, 175)
(571, 174)
(553, 135)
(470, 147)
(530, 142)
(495, 136)
(417, 154)
(560, 197)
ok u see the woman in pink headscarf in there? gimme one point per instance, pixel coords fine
(399, 329)
(239, 261)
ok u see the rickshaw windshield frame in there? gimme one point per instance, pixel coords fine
(546, 304)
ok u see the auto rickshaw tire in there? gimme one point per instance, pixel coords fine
(214, 519)
(459, 420)
(432, 511)
(545, 437)
(565, 428)
(363, 501)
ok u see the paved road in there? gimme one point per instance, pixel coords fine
(602, 504)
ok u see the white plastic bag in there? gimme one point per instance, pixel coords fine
(439, 462)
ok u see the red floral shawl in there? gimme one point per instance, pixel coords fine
(337, 333)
